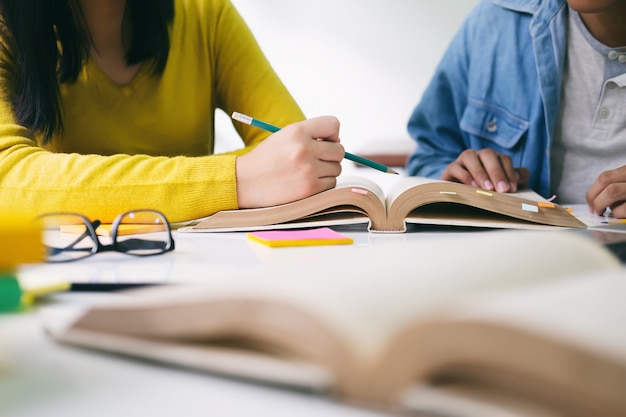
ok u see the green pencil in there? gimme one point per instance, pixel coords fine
(352, 157)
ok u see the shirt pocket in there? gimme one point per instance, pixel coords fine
(493, 125)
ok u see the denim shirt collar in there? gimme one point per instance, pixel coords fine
(543, 11)
(525, 6)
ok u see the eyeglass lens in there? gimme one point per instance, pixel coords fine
(69, 237)
(143, 233)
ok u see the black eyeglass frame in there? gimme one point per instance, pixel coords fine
(116, 246)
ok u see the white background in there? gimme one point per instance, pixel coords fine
(366, 62)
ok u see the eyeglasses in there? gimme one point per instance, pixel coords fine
(70, 236)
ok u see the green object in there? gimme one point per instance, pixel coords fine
(10, 293)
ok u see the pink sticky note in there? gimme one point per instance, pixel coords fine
(307, 237)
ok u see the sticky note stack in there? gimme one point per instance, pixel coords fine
(306, 237)
(20, 242)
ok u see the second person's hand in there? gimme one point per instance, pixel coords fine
(609, 192)
(298, 161)
(486, 169)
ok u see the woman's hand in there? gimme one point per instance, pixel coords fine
(300, 160)
(487, 169)
(609, 191)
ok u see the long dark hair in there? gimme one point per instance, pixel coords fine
(34, 66)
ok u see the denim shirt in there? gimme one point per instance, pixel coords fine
(498, 86)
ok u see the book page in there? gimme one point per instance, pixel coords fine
(529, 195)
(360, 182)
(559, 342)
(406, 183)
(403, 184)
(416, 277)
(425, 201)
(605, 221)
(584, 311)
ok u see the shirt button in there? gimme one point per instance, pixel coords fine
(622, 58)
(492, 126)
(613, 55)
(605, 113)
(127, 91)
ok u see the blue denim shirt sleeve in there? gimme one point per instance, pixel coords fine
(486, 92)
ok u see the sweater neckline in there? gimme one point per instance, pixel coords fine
(94, 70)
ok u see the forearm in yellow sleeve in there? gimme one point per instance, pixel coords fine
(34, 181)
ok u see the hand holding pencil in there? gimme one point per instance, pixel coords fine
(270, 128)
(296, 162)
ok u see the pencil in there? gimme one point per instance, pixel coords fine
(352, 157)
(108, 286)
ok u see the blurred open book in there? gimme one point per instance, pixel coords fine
(533, 316)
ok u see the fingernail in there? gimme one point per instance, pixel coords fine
(474, 184)
(502, 187)
(513, 187)
(488, 185)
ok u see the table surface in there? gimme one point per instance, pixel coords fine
(41, 378)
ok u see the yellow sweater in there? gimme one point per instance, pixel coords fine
(147, 144)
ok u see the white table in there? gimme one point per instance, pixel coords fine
(41, 378)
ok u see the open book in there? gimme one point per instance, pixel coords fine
(374, 329)
(410, 200)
